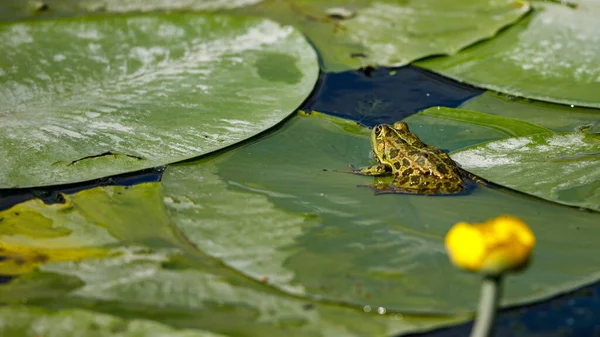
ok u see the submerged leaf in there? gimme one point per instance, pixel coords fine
(355, 34)
(562, 167)
(550, 56)
(86, 98)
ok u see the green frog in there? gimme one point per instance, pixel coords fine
(408, 165)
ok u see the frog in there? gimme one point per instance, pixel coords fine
(409, 166)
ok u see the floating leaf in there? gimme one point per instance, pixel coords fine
(158, 274)
(154, 286)
(390, 33)
(551, 56)
(27, 321)
(12, 10)
(562, 167)
(154, 5)
(553, 116)
(509, 126)
(340, 243)
(86, 98)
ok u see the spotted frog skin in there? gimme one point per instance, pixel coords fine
(410, 165)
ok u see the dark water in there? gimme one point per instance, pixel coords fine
(372, 96)
(52, 194)
(573, 314)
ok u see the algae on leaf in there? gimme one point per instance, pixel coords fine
(360, 33)
(561, 167)
(553, 55)
(86, 98)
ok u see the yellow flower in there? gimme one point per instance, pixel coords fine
(492, 247)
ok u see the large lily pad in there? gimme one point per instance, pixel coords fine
(156, 273)
(551, 55)
(86, 98)
(380, 252)
(563, 167)
(360, 33)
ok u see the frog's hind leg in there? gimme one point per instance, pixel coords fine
(476, 179)
(375, 170)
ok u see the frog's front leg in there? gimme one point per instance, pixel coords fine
(375, 170)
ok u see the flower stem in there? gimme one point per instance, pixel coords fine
(491, 290)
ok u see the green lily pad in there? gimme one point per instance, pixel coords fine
(86, 98)
(551, 56)
(453, 129)
(158, 274)
(509, 126)
(553, 116)
(27, 321)
(336, 242)
(360, 33)
(563, 167)
(12, 10)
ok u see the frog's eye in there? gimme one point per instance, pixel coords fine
(401, 126)
(378, 130)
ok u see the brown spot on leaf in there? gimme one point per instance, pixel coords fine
(355, 55)
(41, 258)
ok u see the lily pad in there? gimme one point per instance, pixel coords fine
(360, 33)
(563, 167)
(453, 129)
(27, 321)
(121, 6)
(508, 126)
(86, 98)
(551, 56)
(157, 274)
(13, 10)
(553, 116)
(376, 252)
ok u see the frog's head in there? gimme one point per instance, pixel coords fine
(383, 138)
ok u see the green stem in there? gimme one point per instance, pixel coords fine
(491, 290)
